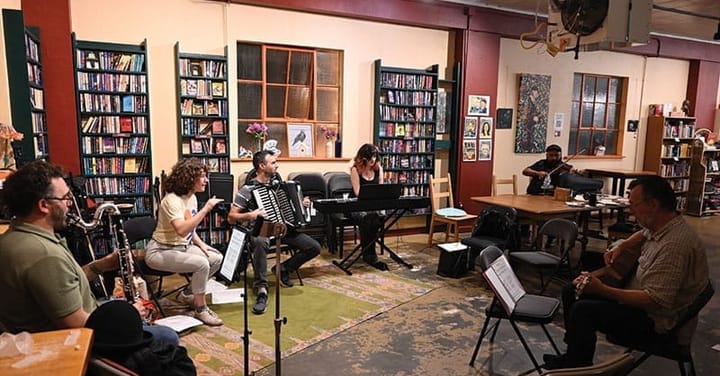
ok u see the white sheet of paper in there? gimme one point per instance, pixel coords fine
(179, 323)
(214, 286)
(453, 247)
(232, 254)
(227, 296)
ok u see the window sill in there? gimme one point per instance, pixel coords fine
(600, 157)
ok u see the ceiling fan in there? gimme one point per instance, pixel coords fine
(582, 17)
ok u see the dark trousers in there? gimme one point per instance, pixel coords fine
(588, 315)
(369, 224)
(307, 247)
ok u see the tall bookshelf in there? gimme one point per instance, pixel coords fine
(703, 196)
(668, 147)
(405, 121)
(25, 80)
(114, 123)
(202, 89)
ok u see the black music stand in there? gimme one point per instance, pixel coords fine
(352, 257)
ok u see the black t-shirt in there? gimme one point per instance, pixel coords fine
(535, 186)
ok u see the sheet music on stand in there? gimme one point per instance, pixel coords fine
(504, 283)
(232, 255)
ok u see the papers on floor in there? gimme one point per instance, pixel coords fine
(227, 296)
(213, 286)
(452, 247)
(179, 323)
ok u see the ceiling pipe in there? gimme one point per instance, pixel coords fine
(685, 12)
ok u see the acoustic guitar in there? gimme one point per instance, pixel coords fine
(614, 275)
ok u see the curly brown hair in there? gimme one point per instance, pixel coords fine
(182, 176)
(365, 154)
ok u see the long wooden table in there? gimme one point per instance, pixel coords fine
(618, 177)
(59, 353)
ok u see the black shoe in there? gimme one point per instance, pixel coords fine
(553, 361)
(284, 276)
(260, 303)
(380, 265)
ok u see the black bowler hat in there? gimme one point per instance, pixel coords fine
(118, 328)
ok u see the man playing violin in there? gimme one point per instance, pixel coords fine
(552, 165)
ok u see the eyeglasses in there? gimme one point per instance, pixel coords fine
(67, 197)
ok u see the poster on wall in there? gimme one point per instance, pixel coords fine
(470, 128)
(478, 105)
(486, 126)
(532, 119)
(469, 150)
(504, 118)
(484, 150)
(300, 140)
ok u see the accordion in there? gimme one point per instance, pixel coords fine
(282, 203)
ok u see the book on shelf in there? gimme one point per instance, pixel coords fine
(186, 147)
(130, 166)
(504, 283)
(108, 145)
(219, 147)
(212, 108)
(126, 124)
(128, 104)
(191, 88)
(218, 127)
(198, 109)
(205, 129)
(196, 146)
(218, 89)
(196, 69)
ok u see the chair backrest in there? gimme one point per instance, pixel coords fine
(437, 193)
(488, 256)
(139, 228)
(502, 181)
(565, 230)
(497, 221)
(313, 186)
(337, 184)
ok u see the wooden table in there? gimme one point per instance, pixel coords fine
(618, 177)
(57, 353)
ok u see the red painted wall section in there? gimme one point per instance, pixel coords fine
(52, 17)
(480, 72)
(702, 91)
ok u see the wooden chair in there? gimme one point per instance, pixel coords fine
(498, 181)
(452, 222)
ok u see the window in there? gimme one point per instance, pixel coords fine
(291, 90)
(598, 109)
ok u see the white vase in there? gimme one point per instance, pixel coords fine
(330, 149)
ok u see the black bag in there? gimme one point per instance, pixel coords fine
(453, 264)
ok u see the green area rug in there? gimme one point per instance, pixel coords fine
(329, 303)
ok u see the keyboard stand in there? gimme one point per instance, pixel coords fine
(356, 253)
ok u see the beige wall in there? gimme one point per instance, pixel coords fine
(206, 27)
(651, 80)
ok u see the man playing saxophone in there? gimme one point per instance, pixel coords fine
(47, 288)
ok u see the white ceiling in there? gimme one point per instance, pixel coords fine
(662, 22)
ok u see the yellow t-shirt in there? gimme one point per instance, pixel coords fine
(174, 207)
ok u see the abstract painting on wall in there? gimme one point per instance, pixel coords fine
(532, 117)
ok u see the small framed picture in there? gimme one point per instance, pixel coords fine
(486, 127)
(196, 69)
(218, 89)
(478, 105)
(504, 118)
(196, 146)
(484, 150)
(300, 140)
(470, 128)
(212, 108)
(469, 150)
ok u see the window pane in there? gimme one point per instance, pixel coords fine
(612, 116)
(249, 61)
(572, 149)
(327, 67)
(300, 68)
(276, 101)
(575, 115)
(589, 89)
(249, 100)
(278, 131)
(586, 121)
(614, 91)
(585, 142)
(327, 104)
(601, 90)
(599, 116)
(598, 139)
(611, 143)
(245, 140)
(577, 85)
(298, 102)
(277, 66)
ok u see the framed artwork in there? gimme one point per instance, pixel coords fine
(470, 128)
(469, 150)
(504, 118)
(486, 127)
(300, 140)
(532, 119)
(484, 150)
(478, 105)
(442, 111)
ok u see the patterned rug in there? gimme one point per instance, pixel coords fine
(329, 302)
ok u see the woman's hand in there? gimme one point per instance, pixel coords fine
(210, 204)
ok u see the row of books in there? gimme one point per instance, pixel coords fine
(203, 127)
(112, 82)
(118, 185)
(194, 107)
(141, 206)
(676, 151)
(112, 103)
(406, 81)
(32, 51)
(40, 142)
(117, 165)
(390, 113)
(408, 98)
(204, 146)
(216, 164)
(214, 220)
(407, 162)
(669, 170)
(679, 185)
(37, 99)
(407, 130)
(110, 60)
(679, 130)
(34, 74)
(409, 177)
(39, 124)
(407, 146)
(115, 124)
(203, 89)
(114, 145)
(214, 236)
(202, 68)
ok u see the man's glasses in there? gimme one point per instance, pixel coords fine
(68, 197)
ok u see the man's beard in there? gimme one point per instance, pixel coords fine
(58, 216)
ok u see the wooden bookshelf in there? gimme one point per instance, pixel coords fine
(703, 197)
(668, 147)
(114, 122)
(202, 87)
(405, 121)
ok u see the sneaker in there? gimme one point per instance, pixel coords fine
(187, 299)
(260, 303)
(208, 317)
(284, 276)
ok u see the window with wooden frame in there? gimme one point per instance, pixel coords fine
(598, 112)
(293, 91)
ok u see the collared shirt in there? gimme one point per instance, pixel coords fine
(672, 270)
